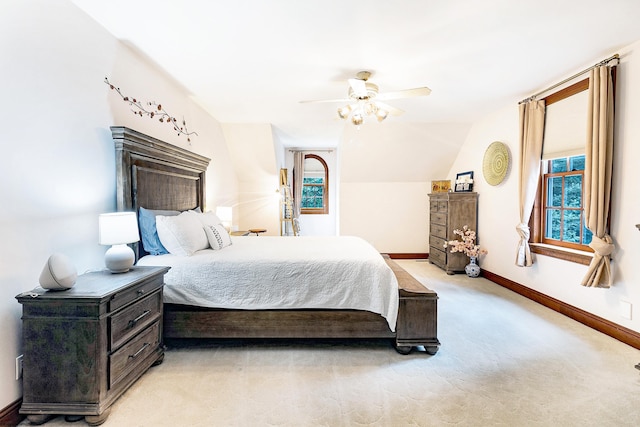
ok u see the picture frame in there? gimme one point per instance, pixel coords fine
(464, 182)
(441, 186)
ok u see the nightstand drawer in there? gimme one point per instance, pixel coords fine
(131, 320)
(123, 361)
(439, 231)
(132, 293)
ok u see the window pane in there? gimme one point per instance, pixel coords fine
(553, 224)
(571, 232)
(559, 165)
(573, 191)
(586, 236)
(576, 163)
(312, 197)
(554, 191)
(308, 180)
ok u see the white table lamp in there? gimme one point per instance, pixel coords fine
(225, 213)
(118, 229)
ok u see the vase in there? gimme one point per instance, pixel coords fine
(472, 269)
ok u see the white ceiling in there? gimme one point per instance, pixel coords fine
(252, 61)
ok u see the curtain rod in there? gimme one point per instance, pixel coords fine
(310, 150)
(603, 62)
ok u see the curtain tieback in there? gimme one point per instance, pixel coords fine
(602, 247)
(523, 231)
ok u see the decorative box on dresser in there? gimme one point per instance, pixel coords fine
(447, 212)
(83, 347)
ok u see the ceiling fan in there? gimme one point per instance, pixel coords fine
(364, 100)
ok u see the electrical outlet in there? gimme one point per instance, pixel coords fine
(19, 367)
(625, 309)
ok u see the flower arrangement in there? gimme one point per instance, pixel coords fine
(468, 243)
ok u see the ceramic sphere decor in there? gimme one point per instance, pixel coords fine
(496, 163)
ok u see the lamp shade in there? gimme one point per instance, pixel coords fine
(225, 213)
(118, 228)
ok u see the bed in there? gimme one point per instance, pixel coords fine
(154, 175)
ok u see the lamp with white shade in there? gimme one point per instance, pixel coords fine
(118, 229)
(225, 214)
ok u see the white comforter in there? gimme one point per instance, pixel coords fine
(269, 272)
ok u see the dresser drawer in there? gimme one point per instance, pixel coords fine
(437, 257)
(437, 242)
(125, 360)
(133, 319)
(438, 230)
(132, 293)
(439, 218)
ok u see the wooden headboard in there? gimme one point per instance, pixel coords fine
(156, 175)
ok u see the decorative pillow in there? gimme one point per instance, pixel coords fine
(182, 234)
(148, 231)
(218, 236)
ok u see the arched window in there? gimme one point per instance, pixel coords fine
(315, 186)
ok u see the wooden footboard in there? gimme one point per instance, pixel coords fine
(416, 325)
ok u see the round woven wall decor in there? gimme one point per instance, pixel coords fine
(496, 163)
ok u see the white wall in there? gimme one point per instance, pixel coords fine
(253, 153)
(57, 164)
(498, 207)
(386, 171)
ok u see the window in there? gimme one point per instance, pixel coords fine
(563, 211)
(315, 186)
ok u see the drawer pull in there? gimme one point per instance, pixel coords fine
(140, 292)
(137, 353)
(133, 322)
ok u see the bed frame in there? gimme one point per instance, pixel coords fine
(156, 175)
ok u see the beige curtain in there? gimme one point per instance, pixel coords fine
(531, 134)
(597, 175)
(298, 175)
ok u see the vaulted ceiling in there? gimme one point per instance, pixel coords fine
(252, 61)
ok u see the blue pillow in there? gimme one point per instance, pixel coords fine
(149, 232)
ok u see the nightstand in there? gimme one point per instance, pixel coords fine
(239, 233)
(84, 347)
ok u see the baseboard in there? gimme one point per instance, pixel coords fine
(409, 256)
(10, 416)
(605, 326)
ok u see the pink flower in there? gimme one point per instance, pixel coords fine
(467, 244)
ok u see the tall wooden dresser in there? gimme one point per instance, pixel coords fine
(85, 346)
(447, 212)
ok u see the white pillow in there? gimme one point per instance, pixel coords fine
(218, 236)
(209, 218)
(182, 234)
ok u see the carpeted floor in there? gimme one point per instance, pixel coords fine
(504, 361)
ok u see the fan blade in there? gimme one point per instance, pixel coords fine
(359, 87)
(407, 93)
(318, 101)
(392, 110)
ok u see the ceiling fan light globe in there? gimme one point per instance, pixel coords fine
(344, 112)
(370, 108)
(357, 119)
(381, 114)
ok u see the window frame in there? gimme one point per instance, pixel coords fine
(582, 255)
(545, 191)
(325, 193)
